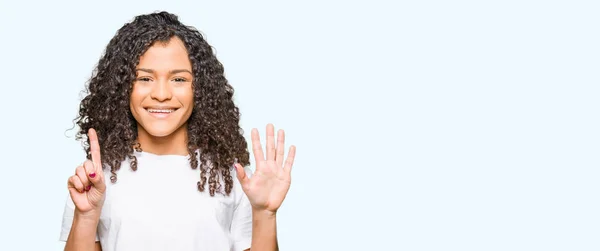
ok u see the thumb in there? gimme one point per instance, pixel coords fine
(241, 174)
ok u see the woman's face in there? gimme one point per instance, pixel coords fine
(162, 98)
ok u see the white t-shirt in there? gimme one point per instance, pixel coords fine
(158, 207)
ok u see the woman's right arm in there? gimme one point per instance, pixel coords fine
(87, 190)
(83, 234)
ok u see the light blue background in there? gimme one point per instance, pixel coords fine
(420, 125)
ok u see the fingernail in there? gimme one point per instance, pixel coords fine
(87, 188)
(92, 175)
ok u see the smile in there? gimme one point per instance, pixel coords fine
(160, 113)
(150, 110)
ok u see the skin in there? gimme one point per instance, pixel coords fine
(164, 79)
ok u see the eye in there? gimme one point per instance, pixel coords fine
(179, 79)
(144, 79)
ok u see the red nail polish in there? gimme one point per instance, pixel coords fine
(92, 175)
(87, 188)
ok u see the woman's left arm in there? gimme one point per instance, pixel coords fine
(264, 231)
(267, 187)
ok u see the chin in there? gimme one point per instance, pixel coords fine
(160, 130)
(159, 133)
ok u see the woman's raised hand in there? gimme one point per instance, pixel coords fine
(269, 184)
(87, 186)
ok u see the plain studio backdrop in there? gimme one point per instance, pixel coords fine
(420, 125)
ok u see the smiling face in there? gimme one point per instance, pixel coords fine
(162, 98)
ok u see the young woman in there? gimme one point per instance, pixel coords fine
(164, 142)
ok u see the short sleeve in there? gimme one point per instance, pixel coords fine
(67, 221)
(241, 225)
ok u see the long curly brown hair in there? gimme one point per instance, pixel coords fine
(213, 127)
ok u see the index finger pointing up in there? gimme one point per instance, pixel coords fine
(95, 148)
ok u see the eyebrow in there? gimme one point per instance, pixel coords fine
(170, 72)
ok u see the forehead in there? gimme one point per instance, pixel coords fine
(163, 56)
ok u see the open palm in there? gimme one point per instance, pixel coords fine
(269, 184)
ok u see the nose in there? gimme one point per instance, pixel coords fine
(161, 91)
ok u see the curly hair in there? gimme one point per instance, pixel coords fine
(213, 126)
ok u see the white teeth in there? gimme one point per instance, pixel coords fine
(161, 110)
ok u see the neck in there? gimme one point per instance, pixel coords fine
(172, 144)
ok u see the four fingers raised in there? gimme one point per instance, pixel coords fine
(274, 152)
